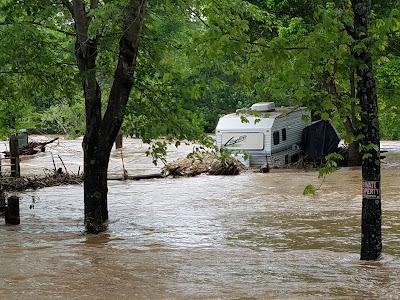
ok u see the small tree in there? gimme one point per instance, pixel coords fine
(102, 129)
(371, 239)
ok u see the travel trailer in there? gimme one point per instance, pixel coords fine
(272, 137)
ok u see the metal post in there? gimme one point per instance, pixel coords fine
(14, 154)
(12, 211)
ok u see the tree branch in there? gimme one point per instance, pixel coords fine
(195, 13)
(54, 29)
(94, 4)
(126, 65)
(81, 21)
(41, 25)
(68, 5)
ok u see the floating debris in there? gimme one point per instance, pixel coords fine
(203, 162)
(8, 184)
(32, 148)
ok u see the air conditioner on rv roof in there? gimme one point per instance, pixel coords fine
(263, 106)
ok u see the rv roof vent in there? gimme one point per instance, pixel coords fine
(263, 106)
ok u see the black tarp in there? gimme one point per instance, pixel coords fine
(319, 139)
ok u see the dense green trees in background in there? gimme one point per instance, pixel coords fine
(199, 60)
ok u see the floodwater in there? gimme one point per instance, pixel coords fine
(252, 236)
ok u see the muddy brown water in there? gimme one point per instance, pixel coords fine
(252, 236)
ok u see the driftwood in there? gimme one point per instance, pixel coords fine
(200, 163)
(138, 177)
(228, 168)
(32, 148)
(12, 184)
(37, 182)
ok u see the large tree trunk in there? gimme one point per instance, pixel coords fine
(101, 131)
(371, 239)
(95, 190)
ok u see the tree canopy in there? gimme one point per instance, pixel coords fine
(199, 60)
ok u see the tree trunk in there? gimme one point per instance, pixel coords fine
(95, 190)
(351, 124)
(371, 239)
(354, 154)
(354, 159)
(101, 131)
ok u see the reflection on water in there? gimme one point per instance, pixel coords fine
(243, 237)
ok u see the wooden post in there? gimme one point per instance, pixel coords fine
(12, 211)
(14, 154)
(118, 140)
(2, 201)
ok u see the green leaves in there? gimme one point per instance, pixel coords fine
(359, 48)
(330, 165)
(325, 116)
(367, 151)
(310, 190)
(244, 119)
(198, 61)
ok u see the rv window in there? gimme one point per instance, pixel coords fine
(276, 137)
(284, 134)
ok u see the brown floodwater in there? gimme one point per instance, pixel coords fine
(252, 236)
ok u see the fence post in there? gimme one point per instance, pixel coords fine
(2, 201)
(14, 154)
(12, 211)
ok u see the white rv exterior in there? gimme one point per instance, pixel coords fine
(271, 140)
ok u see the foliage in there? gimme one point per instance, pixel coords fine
(310, 190)
(292, 53)
(388, 74)
(36, 67)
(64, 119)
(330, 166)
(200, 59)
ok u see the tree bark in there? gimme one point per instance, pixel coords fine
(354, 159)
(371, 238)
(352, 124)
(95, 191)
(101, 131)
(354, 154)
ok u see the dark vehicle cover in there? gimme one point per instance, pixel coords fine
(319, 139)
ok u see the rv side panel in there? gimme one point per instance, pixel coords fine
(267, 142)
(287, 131)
